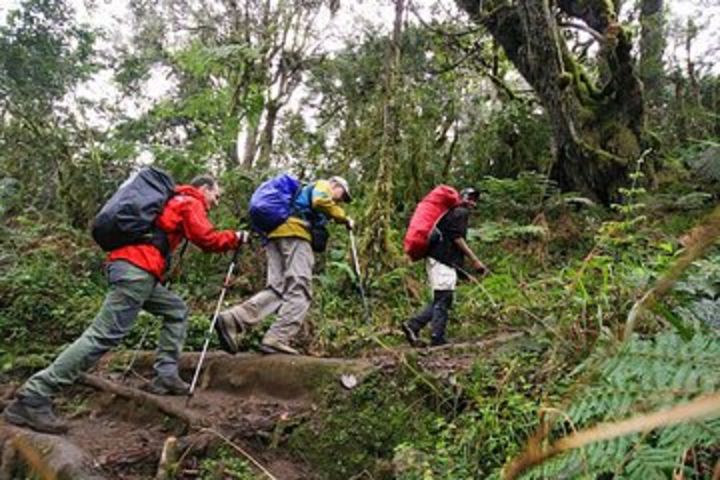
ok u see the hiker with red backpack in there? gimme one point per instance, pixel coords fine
(140, 226)
(292, 218)
(438, 231)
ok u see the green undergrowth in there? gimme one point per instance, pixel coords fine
(50, 284)
(407, 424)
(226, 464)
(577, 279)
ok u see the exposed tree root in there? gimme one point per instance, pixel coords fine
(127, 456)
(190, 418)
(284, 377)
(464, 346)
(283, 387)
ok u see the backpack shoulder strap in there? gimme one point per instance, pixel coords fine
(308, 214)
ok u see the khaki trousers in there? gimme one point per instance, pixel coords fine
(288, 291)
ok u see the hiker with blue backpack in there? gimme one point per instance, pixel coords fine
(140, 226)
(292, 218)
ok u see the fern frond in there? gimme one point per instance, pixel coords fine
(661, 374)
(699, 409)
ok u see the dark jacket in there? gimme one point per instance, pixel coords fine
(453, 225)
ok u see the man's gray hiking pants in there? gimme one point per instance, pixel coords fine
(288, 291)
(131, 289)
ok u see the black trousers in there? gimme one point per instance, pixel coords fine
(437, 313)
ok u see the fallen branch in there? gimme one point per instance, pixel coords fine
(700, 408)
(187, 416)
(129, 456)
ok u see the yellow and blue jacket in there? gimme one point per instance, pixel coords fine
(314, 204)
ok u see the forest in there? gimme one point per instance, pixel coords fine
(583, 342)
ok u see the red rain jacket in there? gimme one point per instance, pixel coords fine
(184, 216)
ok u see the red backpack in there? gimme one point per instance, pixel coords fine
(427, 214)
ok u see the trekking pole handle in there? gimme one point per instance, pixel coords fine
(231, 268)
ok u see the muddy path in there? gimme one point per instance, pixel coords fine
(245, 402)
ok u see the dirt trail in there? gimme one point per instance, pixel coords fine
(125, 438)
(117, 431)
(248, 399)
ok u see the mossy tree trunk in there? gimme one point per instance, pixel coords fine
(597, 124)
(377, 247)
(652, 47)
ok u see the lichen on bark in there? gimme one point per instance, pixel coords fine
(598, 123)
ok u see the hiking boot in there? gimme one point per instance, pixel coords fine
(438, 341)
(34, 413)
(228, 333)
(271, 344)
(410, 334)
(167, 385)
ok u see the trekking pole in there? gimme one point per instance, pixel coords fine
(477, 282)
(226, 284)
(145, 333)
(356, 265)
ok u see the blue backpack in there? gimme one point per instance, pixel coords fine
(272, 203)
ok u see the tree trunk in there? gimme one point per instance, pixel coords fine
(694, 85)
(597, 130)
(652, 46)
(250, 148)
(378, 248)
(679, 109)
(268, 134)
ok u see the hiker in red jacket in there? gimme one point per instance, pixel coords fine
(135, 274)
